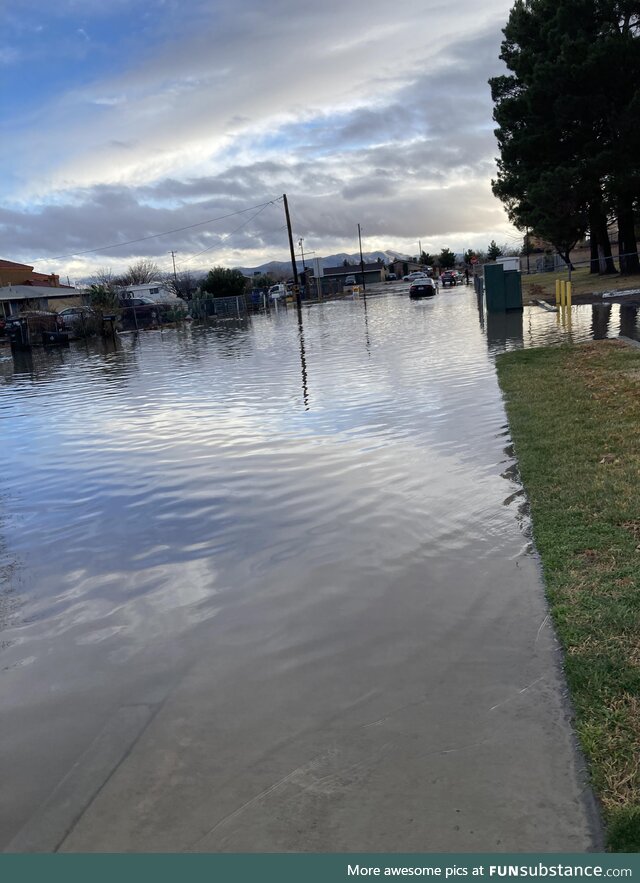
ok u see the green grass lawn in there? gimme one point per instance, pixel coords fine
(574, 413)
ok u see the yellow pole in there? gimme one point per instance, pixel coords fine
(563, 293)
(568, 294)
(557, 292)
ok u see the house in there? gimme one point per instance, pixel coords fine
(16, 298)
(402, 267)
(12, 273)
(21, 288)
(375, 272)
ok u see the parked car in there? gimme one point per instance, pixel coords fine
(449, 277)
(350, 280)
(424, 287)
(391, 277)
(75, 314)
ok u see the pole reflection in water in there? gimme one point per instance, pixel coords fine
(480, 300)
(366, 328)
(628, 320)
(600, 318)
(303, 361)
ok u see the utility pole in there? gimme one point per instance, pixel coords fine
(526, 240)
(175, 277)
(419, 251)
(364, 285)
(293, 255)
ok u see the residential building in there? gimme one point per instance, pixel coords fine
(16, 298)
(12, 273)
(375, 272)
(402, 267)
(21, 288)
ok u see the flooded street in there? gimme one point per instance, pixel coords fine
(266, 587)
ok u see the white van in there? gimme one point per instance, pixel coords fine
(278, 291)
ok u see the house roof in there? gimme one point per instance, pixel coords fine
(25, 292)
(352, 269)
(12, 265)
(145, 285)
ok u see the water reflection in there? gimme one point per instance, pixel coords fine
(175, 502)
(629, 320)
(504, 330)
(366, 327)
(480, 303)
(303, 360)
(9, 598)
(600, 319)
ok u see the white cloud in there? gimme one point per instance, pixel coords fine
(375, 114)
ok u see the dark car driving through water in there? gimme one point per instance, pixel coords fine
(449, 277)
(422, 288)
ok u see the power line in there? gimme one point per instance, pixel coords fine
(156, 235)
(227, 235)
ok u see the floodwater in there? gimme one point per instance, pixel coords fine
(266, 586)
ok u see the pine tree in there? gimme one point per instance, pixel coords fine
(567, 115)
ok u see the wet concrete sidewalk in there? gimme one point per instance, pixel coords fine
(419, 731)
(347, 650)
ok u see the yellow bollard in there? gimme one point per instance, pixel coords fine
(568, 294)
(557, 292)
(563, 293)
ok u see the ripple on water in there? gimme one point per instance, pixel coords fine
(162, 493)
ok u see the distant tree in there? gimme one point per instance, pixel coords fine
(512, 251)
(183, 284)
(446, 259)
(141, 272)
(105, 278)
(345, 263)
(426, 259)
(222, 282)
(494, 251)
(264, 280)
(468, 255)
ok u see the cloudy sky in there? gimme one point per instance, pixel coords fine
(134, 117)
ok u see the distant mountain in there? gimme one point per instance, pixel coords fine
(333, 260)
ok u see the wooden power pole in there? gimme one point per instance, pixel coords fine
(296, 283)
